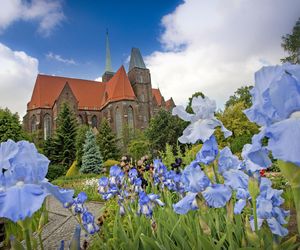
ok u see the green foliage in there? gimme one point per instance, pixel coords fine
(168, 156)
(109, 163)
(189, 106)
(91, 159)
(201, 229)
(64, 138)
(10, 127)
(55, 171)
(190, 154)
(291, 44)
(50, 149)
(242, 94)
(15, 229)
(139, 145)
(73, 170)
(242, 129)
(80, 139)
(107, 142)
(164, 128)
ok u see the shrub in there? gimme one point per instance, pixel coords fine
(110, 163)
(55, 171)
(73, 170)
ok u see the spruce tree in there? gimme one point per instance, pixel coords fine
(65, 135)
(107, 142)
(91, 159)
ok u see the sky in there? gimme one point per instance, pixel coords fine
(213, 46)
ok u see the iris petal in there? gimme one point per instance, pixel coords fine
(217, 195)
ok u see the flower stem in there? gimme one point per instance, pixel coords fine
(296, 194)
(255, 217)
(215, 172)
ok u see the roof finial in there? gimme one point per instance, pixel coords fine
(108, 67)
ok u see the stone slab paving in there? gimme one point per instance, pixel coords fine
(62, 224)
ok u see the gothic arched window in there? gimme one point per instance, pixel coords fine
(33, 123)
(118, 122)
(47, 126)
(130, 118)
(94, 122)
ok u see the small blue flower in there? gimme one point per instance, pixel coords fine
(268, 209)
(147, 203)
(186, 204)
(88, 221)
(77, 206)
(208, 152)
(159, 172)
(194, 179)
(203, 121)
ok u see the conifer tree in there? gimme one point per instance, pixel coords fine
(10, 127)
(107, 142)
(91, 159)
(65, 135)
(80, 139)
(50, 149)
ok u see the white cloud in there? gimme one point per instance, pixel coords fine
(216, 46)
(18, 72)
(48, 13)
(59, 58)
(98, 79)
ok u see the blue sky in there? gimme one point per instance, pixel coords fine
(213, 46)
(80, 37)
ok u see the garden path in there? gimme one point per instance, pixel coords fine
(62, 224)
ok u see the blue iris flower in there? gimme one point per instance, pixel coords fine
(208, 152)
(227, 161)
(194, 179)
(268, 209)
(276, 107)
(89, 224)
(186, 204)
(159, 173)
(242, 195)
(77, 206)
(23, 186)
(147, 203)
(203, 121)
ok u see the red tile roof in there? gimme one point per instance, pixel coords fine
(169, 103)
(157, 95)
(118, 88)
(90, 94)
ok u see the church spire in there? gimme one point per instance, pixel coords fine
(108, 67)
(108, 73)
(136, 60)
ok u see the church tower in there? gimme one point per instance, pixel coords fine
(108, 74)
(140, 79)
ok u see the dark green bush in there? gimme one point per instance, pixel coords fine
(55, 171)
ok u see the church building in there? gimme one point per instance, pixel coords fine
(122, 98)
